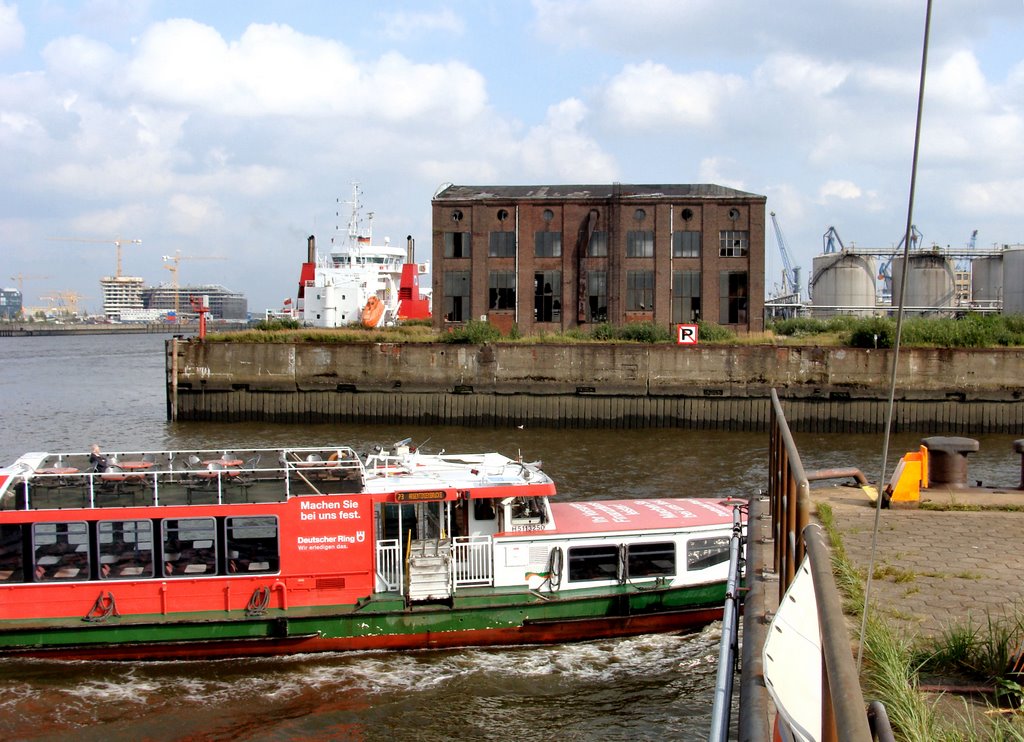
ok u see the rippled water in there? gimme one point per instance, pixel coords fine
(638, 688)
(66, 393)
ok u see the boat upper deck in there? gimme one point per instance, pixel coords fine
(45, 481)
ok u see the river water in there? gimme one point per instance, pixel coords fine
(66, 393)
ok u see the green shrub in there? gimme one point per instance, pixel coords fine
(473, 332)
(603, 331)
(644, 332)
(797, 326)
(272, 325)
(712, 333)
(873, 332)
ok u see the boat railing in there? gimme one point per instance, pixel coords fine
(197, 477)
(472, 561)
(772, 569)
(389, 565)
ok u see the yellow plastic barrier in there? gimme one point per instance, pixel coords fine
(909, 478)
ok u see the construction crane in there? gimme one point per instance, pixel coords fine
(171, 264)
(22, 277)
(117, 244)
(64, 303)
(790, 273)
(830, 239)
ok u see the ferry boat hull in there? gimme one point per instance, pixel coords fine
(473, 622)
(217, 554)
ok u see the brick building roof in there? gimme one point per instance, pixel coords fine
(589, 192)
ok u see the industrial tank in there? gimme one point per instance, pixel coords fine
(987, 281)
(843, 283)
(1013, 280)
(930, 281)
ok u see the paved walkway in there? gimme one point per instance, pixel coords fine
(934, 569)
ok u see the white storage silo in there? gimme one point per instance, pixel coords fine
(987, 281)
(1013, 281)
(931, 282)
(843, 283)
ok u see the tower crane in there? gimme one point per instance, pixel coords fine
(790, 273)
(22, 277)
(171, 264)
(117, 244)
(64, 303)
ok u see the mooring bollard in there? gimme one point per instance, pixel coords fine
(947, 459)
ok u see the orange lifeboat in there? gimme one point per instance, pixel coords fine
(372, 312)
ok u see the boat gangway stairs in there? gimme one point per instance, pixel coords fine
(798, 677)
(429, 570)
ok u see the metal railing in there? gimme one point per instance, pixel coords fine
(389, 565)
(471, 561)
(844, 714)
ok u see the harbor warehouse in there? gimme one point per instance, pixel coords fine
(554, 257)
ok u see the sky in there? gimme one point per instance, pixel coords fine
(229, 131)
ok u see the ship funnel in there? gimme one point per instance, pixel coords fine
(311, 249)
(410, 249)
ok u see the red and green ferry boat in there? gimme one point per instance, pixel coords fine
(204, 554)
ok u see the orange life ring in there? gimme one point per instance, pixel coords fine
(372, 312)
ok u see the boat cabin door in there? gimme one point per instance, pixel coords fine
(414, 521)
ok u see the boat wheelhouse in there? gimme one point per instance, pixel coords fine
(272, 551)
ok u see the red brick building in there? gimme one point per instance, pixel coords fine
(555, 257)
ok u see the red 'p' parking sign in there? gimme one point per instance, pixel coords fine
(686, 334)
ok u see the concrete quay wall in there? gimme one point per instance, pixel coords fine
(825, 389)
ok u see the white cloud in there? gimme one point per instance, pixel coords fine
(958, 82)
(651, 96)
(839, 189)
(192, 214)
(992, 198)
(273, 70)
(712, 170)
(80, 60)
(404, 25)
(800, 75)
(559, 151)
(12, 32)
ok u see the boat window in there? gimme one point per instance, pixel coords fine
(652, 560)
(60, 551)
(251, 544)
(189, 547)
(11, 555)
(527, 510)
(593, 563)
(483, 509)
(397, 521)
(125, 549)
(432, 521)
(702, 553)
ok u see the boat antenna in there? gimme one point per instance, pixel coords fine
(899, 333)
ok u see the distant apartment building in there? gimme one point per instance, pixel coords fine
(10, 304)
(120, 293)
(222, 302)
(554, 257)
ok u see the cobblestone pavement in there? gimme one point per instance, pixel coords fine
(935, 569)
